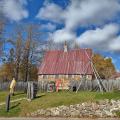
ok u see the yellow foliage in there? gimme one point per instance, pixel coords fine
(6, 71)
(104, 66)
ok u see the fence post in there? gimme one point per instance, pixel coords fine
(28, 91)
(31, 90)
(8, 103)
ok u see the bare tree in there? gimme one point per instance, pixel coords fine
(30, 49)
(2, 27)
(27, 50)
(2, 40)
(18, 54)
(26, 56)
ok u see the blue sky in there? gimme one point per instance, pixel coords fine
(91, 23)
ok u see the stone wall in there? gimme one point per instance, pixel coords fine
(65, 77)
(102, 108)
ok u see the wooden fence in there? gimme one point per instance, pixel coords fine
(92, 85)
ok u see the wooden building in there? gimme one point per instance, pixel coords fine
(66, 65)
(116, 76)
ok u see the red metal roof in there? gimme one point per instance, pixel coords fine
(71, 62)
(116, 75)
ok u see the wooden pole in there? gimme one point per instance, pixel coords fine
(8, 103)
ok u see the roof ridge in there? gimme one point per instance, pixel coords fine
(69, 50)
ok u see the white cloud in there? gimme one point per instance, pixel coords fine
(87, 12)
(81, 12)
(15, 9)
(63, 35)
(50, 12)
(101, 38)
(48, 26)
(115, 45)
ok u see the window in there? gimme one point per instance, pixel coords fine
(73, 76)
(53, 76)
(56, 76)
(45, 76)
(66, 76)
(89, 77)
(40, 76)
(69, 76)
(80, 76)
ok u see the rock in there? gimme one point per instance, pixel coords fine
(98, 113)
(75, 113)
(102, 108)
(114, 109)
(108, 113)
(103, 102)
(48, 113)
(41, 112)
(94, 106)
(55, 112)
(112, 101)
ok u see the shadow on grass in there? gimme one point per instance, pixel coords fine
(21, 93)
(39, 96)
(14, 106)
(13, 112)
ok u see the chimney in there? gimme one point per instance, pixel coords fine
(65, 47)
(76, 45)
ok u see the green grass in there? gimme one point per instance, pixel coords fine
(3, 95)
(14, 110)
(108, 95)
(47, 100)
(14, 107)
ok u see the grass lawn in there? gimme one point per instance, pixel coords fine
(47, 100)
(4, 94)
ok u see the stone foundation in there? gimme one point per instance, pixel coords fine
(65, 79)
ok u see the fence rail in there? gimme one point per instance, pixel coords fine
(92, 85)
